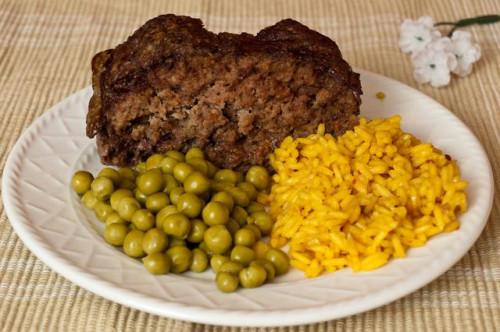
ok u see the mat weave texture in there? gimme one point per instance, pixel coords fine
(45, 52)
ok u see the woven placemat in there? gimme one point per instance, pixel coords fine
(45, 51)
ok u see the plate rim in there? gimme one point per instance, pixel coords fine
(289, 317)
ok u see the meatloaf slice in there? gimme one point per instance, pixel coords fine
(174, 85)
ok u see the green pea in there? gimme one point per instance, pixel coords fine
(218, 239)
(157, 201)
(127, 173)
(211, 169)
(190, 205)
(198, 228)
(203, 246)
(215, 213)
(163, 213)
(167, 165)
(153, 161)
(245, 237)
(255, 229)
(157, 263)
(155, 240)
(232, 226)
(170, 183)
(175, 155)
(194, 152)
(221, 186)
(243, 255)
(226, 175)
(255, 207)
(140, 167)
(225, 198)
(196, 183)
(262, 220)
(175, 194)
(110, 173)
(177, 225)
(249, 189)
(240, 215)
(268, 266)
(103, 211)
(114, 218)
(182, 171)
(89, 200)
(143, 219)
(217, 261)
(102, 188)
(127, 184)
(200, 165)
(279, 259)
(253, 276)
(127, 208)
(181, 259)
(240, 197)
(199, 262)
(226, 282)
(81, 182)
(231, 267)
(117, 196)
(261, 248)
(258, 176)
(176, 242)
(115, 234)
(150, 182)
(140, 196)
(132, 246)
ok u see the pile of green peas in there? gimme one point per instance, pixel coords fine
(178, 212)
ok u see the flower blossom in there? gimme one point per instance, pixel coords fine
(416, 35)
(465, 51)
(434, 64)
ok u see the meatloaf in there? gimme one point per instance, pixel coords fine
(173, 85)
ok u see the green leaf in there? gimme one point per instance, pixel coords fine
(487, 19)
(479, 20)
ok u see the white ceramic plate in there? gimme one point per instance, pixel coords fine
(48, 217)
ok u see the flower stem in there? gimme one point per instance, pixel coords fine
(479, 20)
(444, 23)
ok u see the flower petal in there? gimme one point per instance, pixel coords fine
(421, 75)
(426, 21)
(440, 77)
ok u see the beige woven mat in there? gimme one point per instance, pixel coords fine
(45, 49)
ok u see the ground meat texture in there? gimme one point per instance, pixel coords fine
(174, 85)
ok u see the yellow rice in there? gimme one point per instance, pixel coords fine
(362, 198)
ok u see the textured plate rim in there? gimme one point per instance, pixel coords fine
(149, 304)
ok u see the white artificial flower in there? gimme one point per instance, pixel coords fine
(434, 63)
(416, 35)
(465, 51)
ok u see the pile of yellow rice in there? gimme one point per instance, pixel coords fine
(362, 198)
